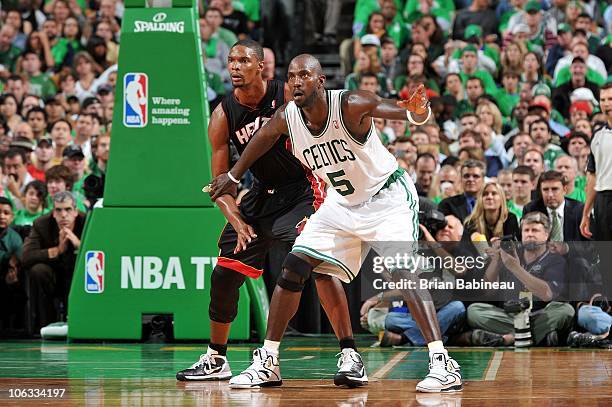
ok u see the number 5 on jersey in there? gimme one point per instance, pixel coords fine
(342, 186)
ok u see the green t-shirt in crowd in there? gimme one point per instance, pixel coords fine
(506, 101)
(60, 50)
(487, 80)
(592, 75)
(439, 8)
(580, 182)
(551, 154)
(227, 36)
(578, 194)
(513, 208)
(42, 85)
(24, 218)
(9, 57)
(248, 7)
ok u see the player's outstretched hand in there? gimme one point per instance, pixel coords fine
(222, 185)
(246, 234)
(417, 102)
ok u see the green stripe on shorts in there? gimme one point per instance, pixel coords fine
(318, 255)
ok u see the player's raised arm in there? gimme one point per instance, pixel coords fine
(261, 142)
(364, 103)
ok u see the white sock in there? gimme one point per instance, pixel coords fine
(436, 347)
(271, 347)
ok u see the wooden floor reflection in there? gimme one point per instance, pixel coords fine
(539, 377)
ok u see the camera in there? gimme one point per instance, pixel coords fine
(433, 220)
(93, 186)
(521, 309)
(508, 243)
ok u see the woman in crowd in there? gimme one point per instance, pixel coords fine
(9, 108)
(490, 216)
(490, 115)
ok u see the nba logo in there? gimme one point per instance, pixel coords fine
(135, 99)
(94, 271)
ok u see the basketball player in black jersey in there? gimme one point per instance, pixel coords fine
(282, 197)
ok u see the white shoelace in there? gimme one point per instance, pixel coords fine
(205, 360)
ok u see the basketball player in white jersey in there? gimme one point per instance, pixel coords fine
(369, 199)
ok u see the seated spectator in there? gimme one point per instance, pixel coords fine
(561, 94)
(493, 148)
(17, 176)
(214, 17)
(214, 50)
(534, 159)
(34, 205)
(367, 61)
(541, 135)
(233, 20)
(504, 179)
(470, 69)
(474, 89)
(8, 52)
(523, 184)
(40, 82)
(508, 95)
(369, 81)
(415, 67)
(446, 183)
(568, 166)
(59, 179)
(480, 14)
(37, 119)
(8, 109)
(426, 166)
(472, 180)
(12, 294)
(565, 213)
(560, 49)
(542, 30)
(43, 153)
(537, 271)
(49, 256)
(490, 216)
(595, 69)
(595, 319)
(60, 134)
(520, 143)
(74, 160)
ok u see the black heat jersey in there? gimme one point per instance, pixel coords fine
(278, 167)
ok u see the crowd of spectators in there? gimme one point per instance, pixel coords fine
(58, 72)
(519, 89)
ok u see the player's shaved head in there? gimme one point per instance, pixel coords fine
(307, 62)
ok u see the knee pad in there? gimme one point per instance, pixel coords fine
(295, 273)
(224, 294)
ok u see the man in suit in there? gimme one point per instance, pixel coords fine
(49, 256)
(472, 179)
(564, 213)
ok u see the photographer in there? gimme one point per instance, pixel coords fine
(535, 272)
(400, 327)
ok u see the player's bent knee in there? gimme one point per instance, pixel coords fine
(224, 294)
(296, 272)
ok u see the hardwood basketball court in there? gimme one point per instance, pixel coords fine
(143, 375)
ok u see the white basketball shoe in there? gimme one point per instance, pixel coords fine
(263, 372)
(444, 375)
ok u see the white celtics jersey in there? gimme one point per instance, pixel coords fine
(353, 171)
